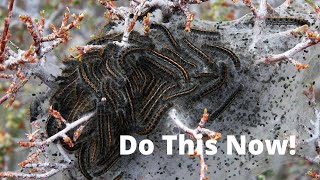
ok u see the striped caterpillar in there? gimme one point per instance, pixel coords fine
(270, 21)
(287, 21)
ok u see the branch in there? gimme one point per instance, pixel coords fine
(315, 7)
(85, 49)
(310, 94)
(138, 8)
(197, 134)
(259, 23)
(292, 33)
(109, 5)
(34, 176)
(312, 38)
(6, 33)
(249, 4)
(27, 62)
(313, 174)
(34, 162)
(60, 134)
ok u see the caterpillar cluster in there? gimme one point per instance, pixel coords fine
(131, 89)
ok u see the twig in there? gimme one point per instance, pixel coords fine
(295, 33)
(286, 55)
(34, 176)
(249, 4)
(28, 62)
(315, 7)
(6, 33)
(33, 161)
(198, 135)
(310, 94)
(259, 23)
(313, 174)
(312, 38)
(137, 8)
(85, 49)
(60, 134)
(110, 7)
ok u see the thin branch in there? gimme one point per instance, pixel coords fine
(60, 134)
(87, 48)
(286, 55)
(310, 94)
(33, 161)
(198, 135)
(6, 33)
(292, 33)
(138, 8)
(28, 62)
(249, 4)
(259, 23)
(111, 8)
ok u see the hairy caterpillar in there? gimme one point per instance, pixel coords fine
(283, 21)
(287, 21)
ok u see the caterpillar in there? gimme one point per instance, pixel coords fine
(181, 93)
(227, 103)
(231, 54)
(287, 21)
(212, 87)
(167, 33)
(198, 51)
(283, 21)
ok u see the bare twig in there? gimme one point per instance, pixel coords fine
(286, 55)
(87, 48)
(249, 4)
(109, 5)
(312, 38)
(198, 135)
(6, 33)
(60, 134)
(259, 23)
(315, 135)
(315, 7)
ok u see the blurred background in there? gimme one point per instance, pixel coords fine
(14, 121)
